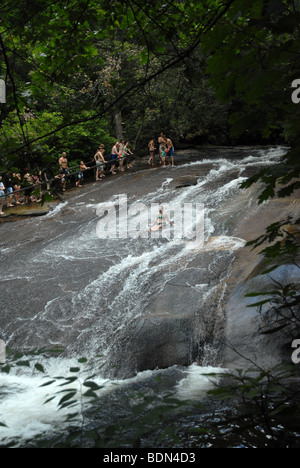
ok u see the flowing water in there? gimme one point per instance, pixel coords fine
(62, 285)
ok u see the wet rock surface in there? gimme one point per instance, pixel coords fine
(141, 303)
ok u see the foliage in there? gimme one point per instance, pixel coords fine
(266, 412)
(71, 66)
(78, 395)
(281, 305)
(253, 60)
(80, 62)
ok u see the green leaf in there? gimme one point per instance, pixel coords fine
(23, 363)
(91, 394)
(259, 304)
(82, 360)
(39, 367)
(274, 330)
(67, 397)
(50, 382)
(92, 385)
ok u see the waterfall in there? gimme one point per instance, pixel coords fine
(64, 286)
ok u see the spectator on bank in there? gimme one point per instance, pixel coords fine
(170, 151)
(128, 154)
(2, 196)
(58, 183)
(16, 178)
(10, 189)
(27, 184)
(36, 178)
(151, 146)
(114, 157)
(100, 162)
(161, 144)
(121, 155)
(80, 175)
(63, 164)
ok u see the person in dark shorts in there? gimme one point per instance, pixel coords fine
(114, 157)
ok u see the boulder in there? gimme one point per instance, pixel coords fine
(155, 341)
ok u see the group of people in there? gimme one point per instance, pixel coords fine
(120, 153)
(28, 187)
(20, 188)
(165, 151)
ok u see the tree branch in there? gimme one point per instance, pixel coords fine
(132, 90)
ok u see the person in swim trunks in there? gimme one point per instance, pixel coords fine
(63, 164)
(114, 157)
(100, 162)
(170, 151)
(80, 174)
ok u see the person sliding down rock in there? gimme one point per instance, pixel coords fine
(161, 220)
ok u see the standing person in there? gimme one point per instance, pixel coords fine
(16, 178)
(170, 148)
(82, 168)
(99, 160)
(121, 155)
(10, 188)
(161, 143)
(114, 156)
(36, 181)
(163, 155)
(151, 146)
(63, 164)
(128, 153)
(58, 184)
(2, 196)
(27, 184)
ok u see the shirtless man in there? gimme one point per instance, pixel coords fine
(80, 176)
(114, 157)
(63, 163)
(99, 159)
(170, 152)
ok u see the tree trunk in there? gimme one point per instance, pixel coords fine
(118, 126)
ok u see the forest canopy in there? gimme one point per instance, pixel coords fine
(85, 72)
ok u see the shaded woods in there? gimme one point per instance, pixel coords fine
(81, 74)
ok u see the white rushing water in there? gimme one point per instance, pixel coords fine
(27, 411)
(122, 289)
